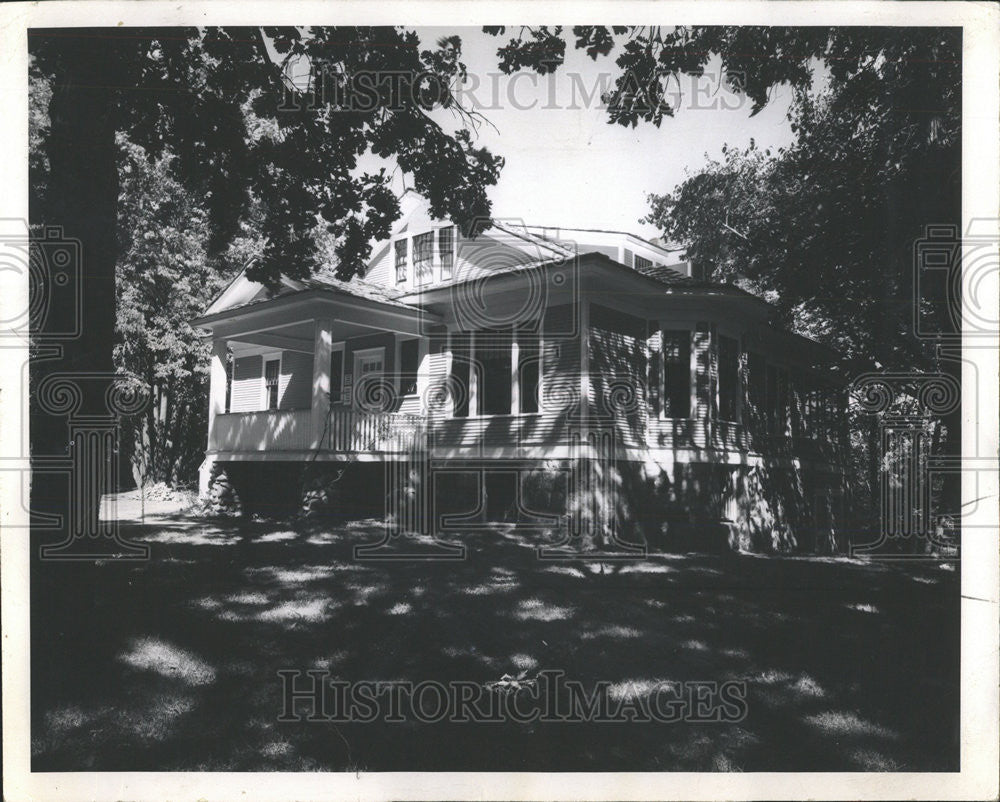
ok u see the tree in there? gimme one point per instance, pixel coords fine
(164, 277)
(219, 98)
(826, 228)
(832, 221)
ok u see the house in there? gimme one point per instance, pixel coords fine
(550, 377)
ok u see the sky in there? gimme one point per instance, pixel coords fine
(567, 166)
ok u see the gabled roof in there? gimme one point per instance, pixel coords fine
(242, 293)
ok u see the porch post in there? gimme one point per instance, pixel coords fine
(322, 350)
(216, 387)
(216, 406)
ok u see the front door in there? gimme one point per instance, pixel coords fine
(369, 367)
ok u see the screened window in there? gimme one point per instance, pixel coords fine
(729, 378)
(409, 351)
(271, 371)
(459, 383)
(777, 400)
(529, 359)
(400, 261)
(423, 256)
(642, 263)
(756, 390)
(446, 248)
(493, 372)
(677, 374)
(653, 383)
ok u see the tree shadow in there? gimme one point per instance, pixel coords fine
(172, 664)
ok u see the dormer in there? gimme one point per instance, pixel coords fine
(423, 257)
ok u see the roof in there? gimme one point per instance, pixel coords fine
(661, 246)
(326, 279)
(671, 277)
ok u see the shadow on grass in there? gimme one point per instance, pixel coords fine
(172, 664)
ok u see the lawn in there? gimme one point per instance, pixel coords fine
(172, 663)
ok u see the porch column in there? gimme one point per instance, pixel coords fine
(322, 350)
(216, 387)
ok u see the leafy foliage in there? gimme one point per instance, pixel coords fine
(164, 277)
(222, 100)
(825, 229)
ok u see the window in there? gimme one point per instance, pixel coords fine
(654, 384)
(423, 257)
(528, 360)
(271, 371)
(409, 353)
(642, 263)
(459, 383)
(400, 261)
(446, 247)
(230, 364)
(493, 372)
(336, 376)
(369, 363)
(629, 257)
(756, 392)
(777, 401)
(729, 378)
(677, 374)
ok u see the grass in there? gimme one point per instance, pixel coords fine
(171, 664)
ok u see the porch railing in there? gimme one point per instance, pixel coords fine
(279, 430)
(355, 431)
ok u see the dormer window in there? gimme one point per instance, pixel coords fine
(446, 248)
(423, 257)
(401, 260)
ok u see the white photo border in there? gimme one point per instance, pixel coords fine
(979, 563)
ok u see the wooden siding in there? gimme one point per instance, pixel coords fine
(617, 373)
(560, 393)
(263, 431)
(246, 389)
(295, 387)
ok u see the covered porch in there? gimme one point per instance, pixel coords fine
(315, 370)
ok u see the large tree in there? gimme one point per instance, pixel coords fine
(222, 100)
(826, 229)
(828, 226)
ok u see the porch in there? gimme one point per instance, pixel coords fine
(344, 431)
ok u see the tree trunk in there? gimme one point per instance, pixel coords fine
(82, 205)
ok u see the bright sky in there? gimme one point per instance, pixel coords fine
(567, 166)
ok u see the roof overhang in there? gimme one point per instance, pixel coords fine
(314, 304)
